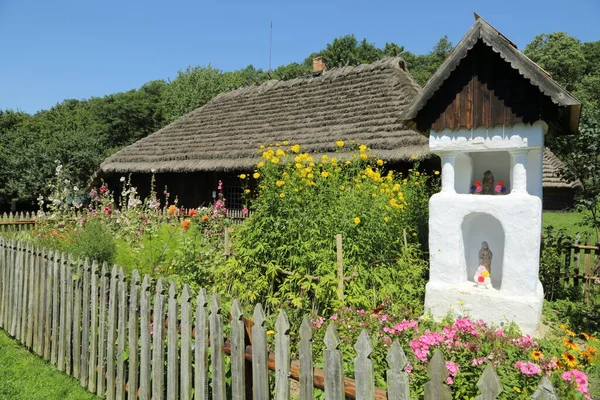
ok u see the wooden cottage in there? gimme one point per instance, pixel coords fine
(221, 139)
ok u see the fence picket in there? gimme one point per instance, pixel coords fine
(31, 300)
(172, 346)
(238, 350)
(77, 289)
(217, 354)
(363, 367)
(48, 306)
(282, 357)
(145, 326)
(260, 368)
(55, 311)
(201, 349)
(132, 383)
(186, 344)
(306, 362)
(121, 335)
(158, 351)
(489, 385)
(111, 333)
(94, 296)
(22, 330)
(545, 390)
(62, 338)
(68, 313)
(4, 277)
(104, 286)
(436, 388)
(334, 369)
(41, 300)
(85, 323)
(397, 378)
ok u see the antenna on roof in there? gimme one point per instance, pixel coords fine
(270, 44)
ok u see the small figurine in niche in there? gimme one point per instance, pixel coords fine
(488, 183)
(482, 277)
(485, 256)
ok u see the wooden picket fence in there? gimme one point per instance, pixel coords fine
(16, 222)
(121, 342)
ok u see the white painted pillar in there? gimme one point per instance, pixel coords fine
(519, 170)
(448, 173)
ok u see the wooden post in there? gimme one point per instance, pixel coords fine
(200, 352)
(121, 335)
(282, 357)
(306, 362)
(186, 344)
(397, 378)
(158, 351)
(260, 357)
(363, 367)
(334, 367)
(172, 345)
(133, 337)
(145, 335)
(340, 265)
(238, 348)
(217, 353)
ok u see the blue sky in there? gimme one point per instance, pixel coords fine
(54, 50)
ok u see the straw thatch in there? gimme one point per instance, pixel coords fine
(552, 177)
(360, 103)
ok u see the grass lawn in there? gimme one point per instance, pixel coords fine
(569, 221)
(25, 376)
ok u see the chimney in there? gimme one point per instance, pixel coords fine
(319, 66)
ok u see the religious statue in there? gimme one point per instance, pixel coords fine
(488, 183)
(485, 256)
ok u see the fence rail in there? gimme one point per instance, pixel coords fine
(122, 341)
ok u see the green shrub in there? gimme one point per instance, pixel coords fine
(96, 242)
(285, 254)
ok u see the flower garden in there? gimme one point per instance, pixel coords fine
(284, 256)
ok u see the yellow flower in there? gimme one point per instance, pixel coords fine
(570, 360)
(536, 355)
(285, 142)
(516, 389)
(569, 344)
(347, 163)
(243, 176)
(362, 148)
(386, 219)
(373, 195)
(340, 143)
(414, 233)
(282, 195)
(333, 161)
(356, 220)
(275, 160)
(280, 183)
(298, 165)
(295, 148)
(262, 146)
(324, 158)
(436, 172)
(256, 175)
(418, 173)
(261, 164)
(324, 174)
(380, 163)
(310, 176)
(413, 158)
(363, 156)
(280, 153)
(270, 332)
(247, 191)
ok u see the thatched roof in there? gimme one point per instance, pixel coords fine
(481, 31)
(552, 177)
(360, 103)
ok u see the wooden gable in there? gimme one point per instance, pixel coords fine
(485, 91)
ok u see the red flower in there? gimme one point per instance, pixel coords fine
(205, 218)
(193, 212)
(185, 224)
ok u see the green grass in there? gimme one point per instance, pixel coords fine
(569, 221)
(25, 376)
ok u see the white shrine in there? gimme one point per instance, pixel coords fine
(487, 112)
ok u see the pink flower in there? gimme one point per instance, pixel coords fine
(404, 325)
(528, 368)
(333, 317)
(408, 368)
(476, 362)
(387, 339)
(391, 331)
(452, 367)
(384, 317)
(579, 379)
(244, 211)
(478, 189)
(449, 380)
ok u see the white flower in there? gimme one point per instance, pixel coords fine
(153, 170)
(75, 188)
(122, 179)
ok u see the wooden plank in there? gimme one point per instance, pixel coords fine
(489, 385)
(334, 369)
(31, 298)
(77, 288)
(48, 306)
(158, 351)
(217, 355)
(22, 321)
(85, 323)
(4, 283)
(102, 317)
(436, 388)
(363, 367)
(146, 339)
(55, 309)
(113, 298)
(545, 390)
(121, 337)
(41, 300)
(186, 344)
(172, 345)
(94, 307)
(10, 305)
(238, 345)
(397, 378)
(62, 334)
(201, 349)
(282, 356)
(260, 369)
(305, 359)
(68, 314)
(133, 364)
